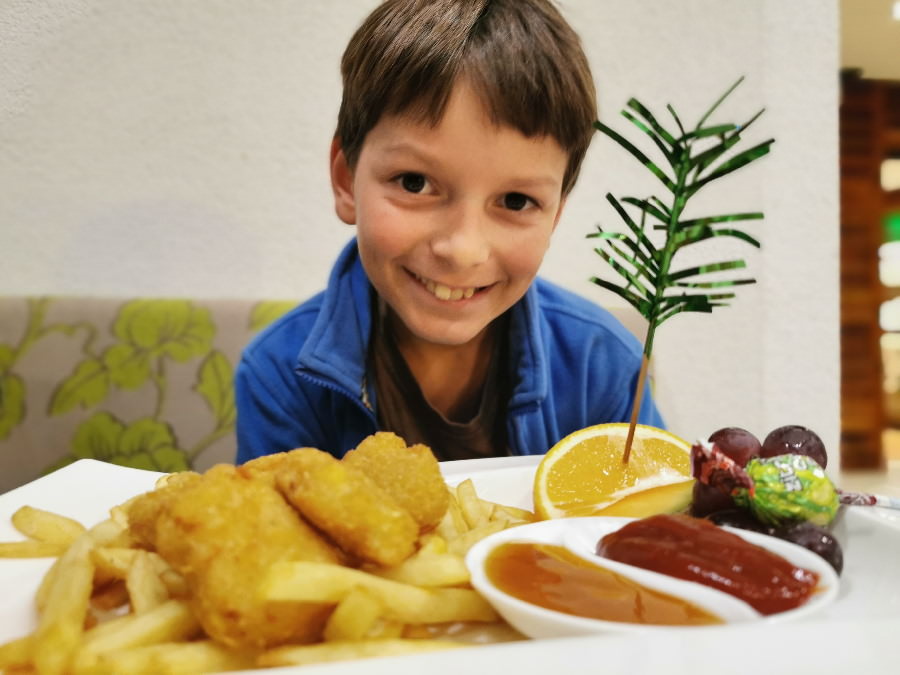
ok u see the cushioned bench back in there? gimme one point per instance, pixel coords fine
(144, 382)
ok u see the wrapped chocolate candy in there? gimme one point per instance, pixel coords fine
(789, 488)
(777, 490)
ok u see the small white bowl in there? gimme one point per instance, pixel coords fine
(580, 536)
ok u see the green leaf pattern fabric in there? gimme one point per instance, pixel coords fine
(266, 312)
(128, 365)
(175, 328)
(12, 402)
(214, 384)
(86, 387)
(134, 356)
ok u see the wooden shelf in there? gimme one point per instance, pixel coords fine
(891, 141)
(869, 133)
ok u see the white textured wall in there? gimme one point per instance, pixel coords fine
(163, 147)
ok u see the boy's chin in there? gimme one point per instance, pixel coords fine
(446, 336)
(449, 339)
(428, 328)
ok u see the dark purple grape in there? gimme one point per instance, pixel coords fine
(795, 440)
(740, 518)
(816, 539)
(739, 444)
(707, 499)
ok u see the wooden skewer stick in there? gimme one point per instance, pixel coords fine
(636, 408)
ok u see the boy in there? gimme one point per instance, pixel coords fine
(461, 131)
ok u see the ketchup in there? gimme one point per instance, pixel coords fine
(698, 550)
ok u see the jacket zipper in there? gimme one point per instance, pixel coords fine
(362, 401)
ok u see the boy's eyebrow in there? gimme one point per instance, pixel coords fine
(408, 148)
(537, 181)
(404, 147)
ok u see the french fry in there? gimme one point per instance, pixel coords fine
(474, 510)
(322, 582)
(354, 616)
(119, 513)
(513, 513)
(109, 532)
(454, 523)
(110, 596)
(487, 507)
(171, 658)
(112, 562)
(15, 653)
(61, 623)
(176, 478)
(175, 583)
(384, 629)
(432, 543)
(446, 529)
(46, 526)
(169, 622)
(428, 570)
(31, 548)
(417, 631)
(106, 533)
(43, 590)
(115, 562)
(145, 588)
(461, 545)
(343, 651)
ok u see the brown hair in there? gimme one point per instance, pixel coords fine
(523, 59)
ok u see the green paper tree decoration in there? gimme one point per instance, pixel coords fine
(649, 278)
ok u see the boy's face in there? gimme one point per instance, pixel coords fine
(452, 221)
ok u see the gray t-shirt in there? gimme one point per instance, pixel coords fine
(403, 408)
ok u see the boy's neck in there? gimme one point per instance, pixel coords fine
(451, 377)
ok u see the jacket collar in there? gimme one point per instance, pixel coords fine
(338, 344)
(528, 359)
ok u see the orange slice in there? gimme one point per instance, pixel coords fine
(583, 474)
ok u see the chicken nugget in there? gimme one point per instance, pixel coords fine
(265, 467)
(222, 532)
(143, 511)
(348, 506)
(412, 476)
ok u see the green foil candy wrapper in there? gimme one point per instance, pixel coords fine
(788, 488)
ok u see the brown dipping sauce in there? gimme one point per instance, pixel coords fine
(698, 550)
(552, 577)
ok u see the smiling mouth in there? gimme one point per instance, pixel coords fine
(442, 292)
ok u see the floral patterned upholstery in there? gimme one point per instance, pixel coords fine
(145, 383)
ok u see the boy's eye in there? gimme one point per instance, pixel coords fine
(516, 201)
(412, 182)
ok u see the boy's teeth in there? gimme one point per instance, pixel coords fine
(445, 292)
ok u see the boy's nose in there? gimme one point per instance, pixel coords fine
(462, 238)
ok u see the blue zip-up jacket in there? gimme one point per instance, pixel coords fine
(302, 382)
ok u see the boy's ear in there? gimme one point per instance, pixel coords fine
(342, 184)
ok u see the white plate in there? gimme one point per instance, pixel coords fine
(858, 631)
